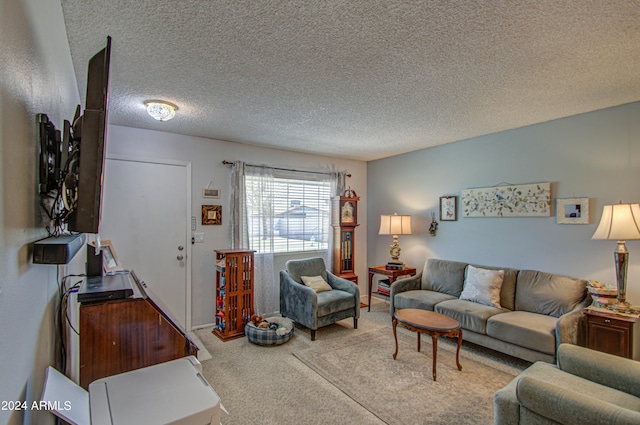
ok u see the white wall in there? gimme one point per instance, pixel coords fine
(206, 157)
(595, 155)
(36, 76)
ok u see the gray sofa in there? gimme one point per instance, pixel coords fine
(586, 387)
(535, 312)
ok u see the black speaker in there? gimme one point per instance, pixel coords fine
(57, 250)
(94, 262)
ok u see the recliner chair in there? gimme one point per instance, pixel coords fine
(314, 310)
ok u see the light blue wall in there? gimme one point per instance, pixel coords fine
(595, 155)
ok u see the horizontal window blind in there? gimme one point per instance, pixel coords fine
(291, 216)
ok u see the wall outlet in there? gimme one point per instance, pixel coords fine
(198, 237)
(193, 223)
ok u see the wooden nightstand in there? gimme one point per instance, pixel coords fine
(613, 333)
(393, 275)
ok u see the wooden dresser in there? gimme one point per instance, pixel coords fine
(125, 334)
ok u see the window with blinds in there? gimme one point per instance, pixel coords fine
(293, 215)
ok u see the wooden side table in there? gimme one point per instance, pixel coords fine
(613, 333)
(392, 274)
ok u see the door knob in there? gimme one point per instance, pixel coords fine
(180, 257)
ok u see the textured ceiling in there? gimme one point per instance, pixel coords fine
(358, 79)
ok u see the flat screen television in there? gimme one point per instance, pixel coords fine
(83, 182)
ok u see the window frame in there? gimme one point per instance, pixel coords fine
(293, 185)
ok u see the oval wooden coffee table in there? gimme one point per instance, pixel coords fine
(431, 323)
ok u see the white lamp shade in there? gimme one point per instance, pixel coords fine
(619, 222)
(395, 225)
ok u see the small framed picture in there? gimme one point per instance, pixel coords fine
(448, 208)
(110, 261)
(210, 193)
(572, 210)
(211, 214)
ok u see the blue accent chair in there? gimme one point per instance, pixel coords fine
(313, 310)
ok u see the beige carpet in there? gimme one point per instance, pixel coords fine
(271, 385)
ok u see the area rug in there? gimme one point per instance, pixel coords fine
(402, 391)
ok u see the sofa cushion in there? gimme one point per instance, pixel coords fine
(421, 299)
(482, 286)
(471, 316)
(330, 302)
(306, 267)
(612, 371)
(529, 330)
(443, 276)
(549, 294)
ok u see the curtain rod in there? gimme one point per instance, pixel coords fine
(225, 162)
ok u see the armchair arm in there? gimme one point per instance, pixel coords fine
(605, 369)
(570, 407)
(402, 285)
(297, 301)
(342, 284)
(571, 327)
(347, 286)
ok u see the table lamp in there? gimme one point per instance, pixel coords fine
(620, 222)
(395, 225)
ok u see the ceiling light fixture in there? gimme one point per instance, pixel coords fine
(161, 110)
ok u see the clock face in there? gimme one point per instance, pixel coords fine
(346, 215)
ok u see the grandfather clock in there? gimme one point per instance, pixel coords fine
(344, 220)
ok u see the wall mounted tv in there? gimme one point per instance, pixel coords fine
(82, 184)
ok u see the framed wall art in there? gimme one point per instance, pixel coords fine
(508, 200)
(572, 210)
(110, 259)
(211, 214)
(448, 208)
(210, 193)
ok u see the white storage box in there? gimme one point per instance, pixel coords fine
(174, 392)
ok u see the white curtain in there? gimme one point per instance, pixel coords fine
(239, 233)
(337, 181)
(255, 216)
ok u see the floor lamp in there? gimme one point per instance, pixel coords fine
(620, 222)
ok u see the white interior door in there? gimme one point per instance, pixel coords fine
(145, 214)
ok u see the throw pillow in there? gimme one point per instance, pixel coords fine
(483, 286)
(317, 283)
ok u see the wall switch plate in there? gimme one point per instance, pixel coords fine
(198, 237)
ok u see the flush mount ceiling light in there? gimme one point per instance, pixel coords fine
(161, 110)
